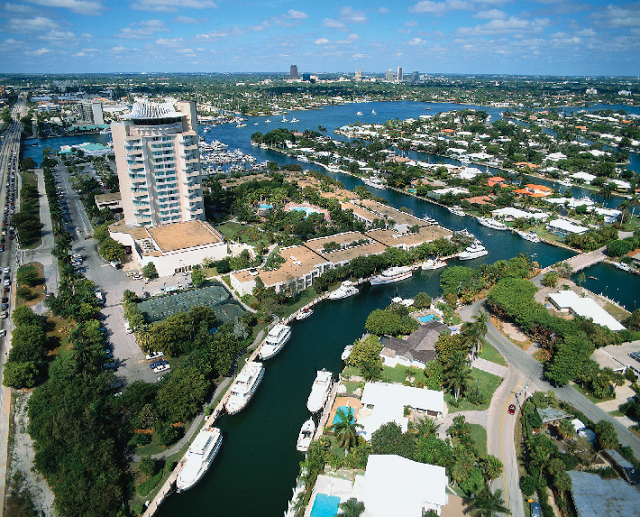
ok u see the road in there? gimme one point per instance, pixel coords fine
(525, 377)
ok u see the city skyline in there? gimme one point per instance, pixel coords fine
(542, 37)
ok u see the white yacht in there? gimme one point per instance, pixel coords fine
(302, 158)
(346, 290)
(456, 210)
(346, 352)
(528, 236)
(433, 264)
(244, 387)
(392, 274)
(358, 113)
(199, 457)
(275, 341)
(267, 121)
(490, 222)
(476, 250)
(319, 391)
(374, 183)
(284, 119)
(304, 314)
(306, 435)
(622, 266)
(373, 112)
(294, 119)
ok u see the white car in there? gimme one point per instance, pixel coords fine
(162, 368)
(6, 270)
(7, 282)
(154, 355)
(4, 315)
(3, 333)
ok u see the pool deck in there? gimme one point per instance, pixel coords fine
(344, 401)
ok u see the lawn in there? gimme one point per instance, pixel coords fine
(491, 354)
(587, 394)
(300, 300)
(36, 293)
(479, 435)
(399, 374)
(617, 312)
(244, 233)
(30, 207)
(486, 384)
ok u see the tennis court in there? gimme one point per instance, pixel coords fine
(214, 296)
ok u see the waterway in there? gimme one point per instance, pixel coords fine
(256, 468)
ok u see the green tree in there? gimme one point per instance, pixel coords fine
(20, 374)
(550, 279)
(346, 428)
(566, 429)
(487, 504)
(111, 250)
(182, 395)
(147, 466)
(27, 275)
(149, 270)
(198, 277)
(607, 435)
(422, 300)
(365, 356)
(492, 468)
(351, 508)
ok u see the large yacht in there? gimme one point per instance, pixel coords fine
(433, 264)
(490, 222)
(306, 435)
(319, 391)
(528, 236)
(476, 250)
(392, 274)
(374, 183)
(456, 210)
(344, 291)
(275, 341)
(244, 387)
(199, 457)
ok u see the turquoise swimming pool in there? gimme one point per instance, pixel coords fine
(325, 506)
(428, 317)
(346, 409)
(307, 210)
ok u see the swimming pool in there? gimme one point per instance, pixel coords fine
(428, 317)
(266, 207)
(325, 506)
(346, 409)
(307, 210)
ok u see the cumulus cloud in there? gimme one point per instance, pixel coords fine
(118, 49)
(321, 41)
(491, 14)
(166, 42)
(410, 23)
(497, 27)
(58, 38)
(619, 16)
(295, 15)
(145, 29)
(87, 7)
(39, 52)
(334, 24)
(358, 56)
(383, 10)
(87, 35)
(417, 41)
(351, 38)
(440, 8)
(37, 24)
(172, 5)
(18, 8)
(348, 15)
(187, 19)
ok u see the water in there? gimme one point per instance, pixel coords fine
(33, 148)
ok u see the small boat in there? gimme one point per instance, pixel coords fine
(592, 277)
(346, 352)
(433, 264)
(490, 222)
(267, 121)
(476, 250)
(528, 236)
(465, 233)
(255, 123)
(241, 125)
(622, 266)
(346, 290)
(319, 391)
(374, 183)
(407, 302)
(430, 220)
(373, 112)
(304, 314)
(294, 119)
(456, 210)
(306, 435)
(302, 158)
(392, 274)
(277, 337)
(358, 113)
(284, 119)
(199, 457)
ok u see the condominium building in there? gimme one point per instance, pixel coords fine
(92, 111)
(400, 76)
(158, 163)
(293, 72)
(389, 75)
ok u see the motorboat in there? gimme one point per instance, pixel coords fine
(275, 341)
(490, 222)
(346, 290)
(267, 121)
(373, 112)
(622, 266)
(392, 274)
(528, 236)
(294, 119)
(305, 437)
(244, 387)
(241, 125)
(456, 210)
(374, 183)
(199, 457)
(431, 264)
(346, 352)
(358, 113)
(465, 233)
(302, 158)
(304, 314)
(476, 250)
(407, 302)
(284, 119)
(430, 220)
(319, 391)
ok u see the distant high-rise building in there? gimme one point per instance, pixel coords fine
(415, 77)
(358, 75)
(158, 164)
(306, 76)
(293, 72)
(389, 75)
(400, 74)
(92, 112)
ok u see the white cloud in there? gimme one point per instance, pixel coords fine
(145, 29)
(491, 14)
(37, 24)
(620, 16)
(292, 14)
(358, 56)
(87, 7)
(119, 49)
(165, 42)
(440, 8)
(39, 52)
(513, 24)
(18, 8)
(350, 39)
(172, 5)
(58, 37)
(410, 23)
(348, 15)
(586, 33)
(334, 24)
(321, 41)
(383, 10)
(187, 19)
(87, 35)
(417, 41)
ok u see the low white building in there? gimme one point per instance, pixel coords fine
(568, 301)
(398, 487)
(510, 214)
(383, 403)
(584, 176)
(566, 227)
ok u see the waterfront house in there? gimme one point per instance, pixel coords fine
(496, 180)
(563, 227)
(416, 350)
(568, 301)
(635, 256)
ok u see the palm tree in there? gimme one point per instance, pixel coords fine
(351, 508)
(425, 427)
(481, 328)
(346, 428)
(487, 504)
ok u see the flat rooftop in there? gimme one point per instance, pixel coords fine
(109, 197)
(391, 213)
(345, 253)
(179, 236)
(597, 497)
(425, 234)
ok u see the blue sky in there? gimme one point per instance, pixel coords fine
(552, 37)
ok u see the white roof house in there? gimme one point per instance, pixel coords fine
(585, 176)
(510, 213)
(554, 157)
(586, 307)
(403, 488)
(383, 403)
(566, 227)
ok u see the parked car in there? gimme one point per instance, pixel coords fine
(111, 365)
(162, 368)
(4, 306)
(3, 333)
(4, 315)
(153, 355)
(536, 510)
(153, 366)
